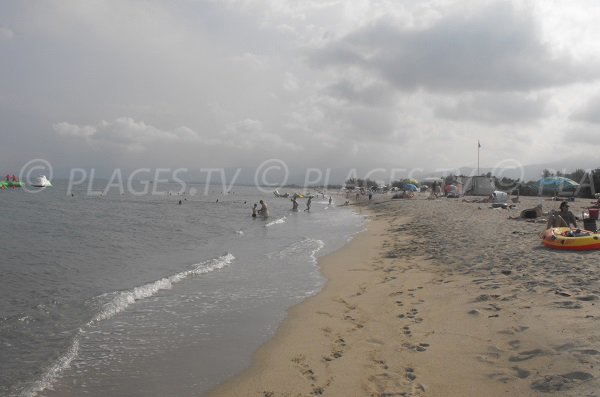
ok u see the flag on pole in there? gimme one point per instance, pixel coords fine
(478, 144)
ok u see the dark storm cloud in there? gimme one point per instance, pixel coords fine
(494, 48)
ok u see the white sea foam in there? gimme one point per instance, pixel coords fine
(123, 299)
(119, 302)
(54, 371)
(276, 222)
(307, 245)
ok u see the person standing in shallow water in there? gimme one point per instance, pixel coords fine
(308, 203)
(264, 211)
(254, 210)
(329, 200)
(294, 204)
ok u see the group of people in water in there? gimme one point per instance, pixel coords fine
(264, 211)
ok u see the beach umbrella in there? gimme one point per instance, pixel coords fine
(558, 182)
(555, 184)
(411, 187)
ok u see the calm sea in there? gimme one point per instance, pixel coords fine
(136, 295)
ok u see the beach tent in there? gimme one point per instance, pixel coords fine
(411, 187)
(479, 186)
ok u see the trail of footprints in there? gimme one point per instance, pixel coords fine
(317, 388)
(385, 381)
(518, 362)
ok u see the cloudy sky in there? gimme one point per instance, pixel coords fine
(317, 83)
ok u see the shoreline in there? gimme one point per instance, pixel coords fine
(400, 316)
(307, 336)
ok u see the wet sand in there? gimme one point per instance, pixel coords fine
(440, 298)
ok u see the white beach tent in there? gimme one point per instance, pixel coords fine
(478, 186)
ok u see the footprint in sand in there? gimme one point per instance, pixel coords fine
(514, 344)
(486, 298)
(568, 305)
(521, 373)
(587, 298)
(527, 355)
(421, 347)
(514, 330)
(412, 313)
(553, 383)
(492, 355)
(591, 352)
(304, 368)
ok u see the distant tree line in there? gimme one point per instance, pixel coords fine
(364, 183)
(590, 182)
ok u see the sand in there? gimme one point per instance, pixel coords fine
(440, 298)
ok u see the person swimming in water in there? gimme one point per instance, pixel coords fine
(254, 210)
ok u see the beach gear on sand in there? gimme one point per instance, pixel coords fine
(565, 238)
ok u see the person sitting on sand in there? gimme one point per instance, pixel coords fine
(562, 218)
(532, 213)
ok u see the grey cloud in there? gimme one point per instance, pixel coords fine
(126, 132)
(495, 108)
(6, 33)
(582, 136)
(490, 49)
(366, 123)
(251, 134)
(589, 113)
(375, 94)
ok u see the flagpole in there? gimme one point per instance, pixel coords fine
(478, 147)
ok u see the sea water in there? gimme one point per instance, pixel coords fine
(124, 294)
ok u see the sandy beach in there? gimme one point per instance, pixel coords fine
(440, 298)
